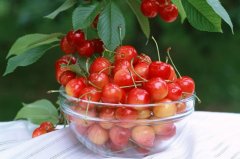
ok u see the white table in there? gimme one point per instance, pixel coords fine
(207, 135)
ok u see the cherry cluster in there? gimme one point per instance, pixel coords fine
(133, 79)
(167, 11)
(44, 128)
(75, 42)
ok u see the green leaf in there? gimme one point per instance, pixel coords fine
(201, 16)
(218, 8)
(66, 5)
(111, 21)
(38, 112)
(84, 15)
(181, 10)
(108, 55)
(26, 58)
(143, 21)
(29, 41)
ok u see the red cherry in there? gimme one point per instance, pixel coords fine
(38, 131)
(157, 88)
(168, 13)
(124, 78)
(59, 72)
(48, 126)
(173, 75)
(66, 76)
(119, 136)
(174, 91)
(121, 64)
(187, 84)
(90, 93)
(74, 87)
(143, 58)
(138, 96)
(149, 8)
(142, 69)
(159, 69)
(98, 45)
(85, 49)
(66, 47)
(70, 37)
(78, 38)
(107, 113)
(126, 113)
(98, 79)
(111, 93)
(95, 21)
(99, 64)
(126, 52)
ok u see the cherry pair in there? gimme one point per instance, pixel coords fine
(167, 11)
(44, 128)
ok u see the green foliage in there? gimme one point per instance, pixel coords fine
(143, 21)
(27, 58)
(181, 10)
(111, 24)
(84, 15)
(65, 6)
(38, 112)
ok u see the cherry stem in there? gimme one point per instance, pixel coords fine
(105, 69)
(136, 72)
(129, 86)
(87, 110)
(132, 78)
(159, 58)
(94, 85)
(141, 81)
(120, 34)
(54, 91)
(199, 100)
(166, 60)
(168, 50)
(87, 65)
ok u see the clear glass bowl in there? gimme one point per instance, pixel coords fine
(111, 137)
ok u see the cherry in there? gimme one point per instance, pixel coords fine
(187, 84)
(143, 135)
(85, 49)
(138, 96)
(38, 131)
(149, 8)
(107, 113)
(181, 107)
(123, 77)
(165, 109)
(81, 122)
(74, 87)
(143, 58)
(99, 64)
(165, 129)
(144, 114)
(121, 64)
(111, 93)
(173, 75)
(119, 136)
(97, 135)
(126, 52)
(95, 21)
(174, 91)
(142, 70)
(48, 126)
(77, 38)
(89, 93)
(157, 88)
(60, 71)
(168, 13)
(66, 76)
(66, 47)
(126, 113)
(70, 37)
(98, 45)
(159, 69)
(98, 79)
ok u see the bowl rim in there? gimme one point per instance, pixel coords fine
(184, 100)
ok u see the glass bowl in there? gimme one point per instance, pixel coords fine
(108, 130)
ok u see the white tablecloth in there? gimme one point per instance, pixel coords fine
(207, 135)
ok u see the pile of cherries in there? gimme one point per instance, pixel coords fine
(131, 79)
(167, 11)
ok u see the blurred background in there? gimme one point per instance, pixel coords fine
(211, 59)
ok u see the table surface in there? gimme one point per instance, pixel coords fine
(207, 135)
